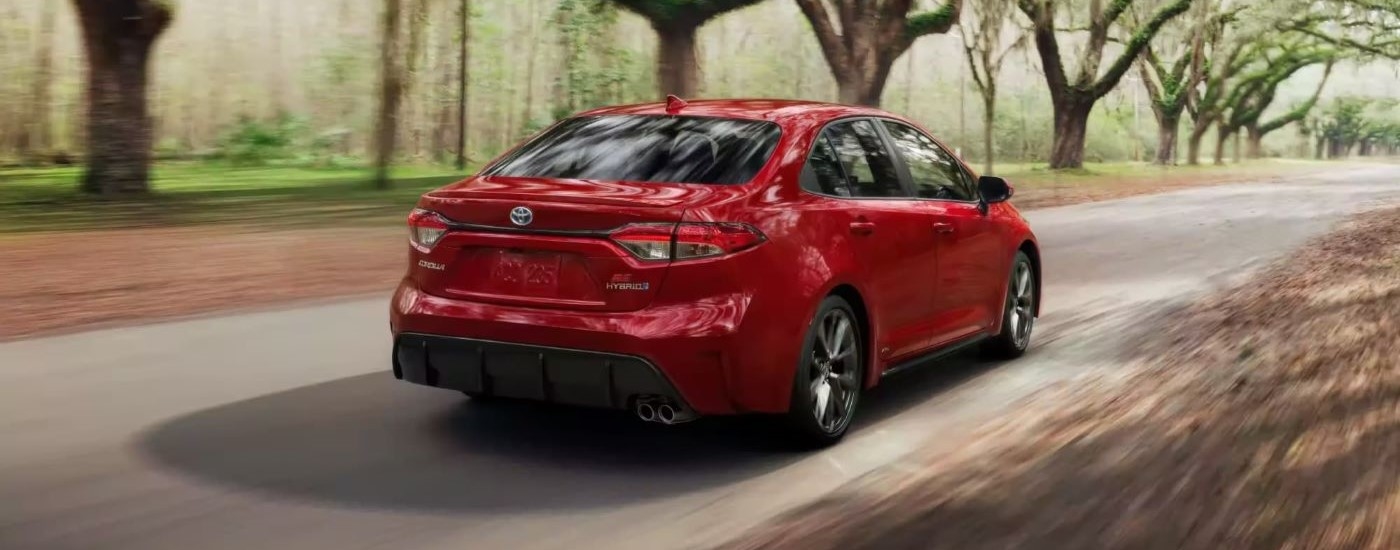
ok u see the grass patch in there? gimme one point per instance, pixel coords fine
(47, 199)
(184, 194)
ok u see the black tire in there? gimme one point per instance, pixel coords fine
(807, 425)
(1018, 313)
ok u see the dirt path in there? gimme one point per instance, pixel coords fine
(60, 281)
(1265, 416)
(102, 278)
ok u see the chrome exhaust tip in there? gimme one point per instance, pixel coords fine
(666, 414)
(646, 412)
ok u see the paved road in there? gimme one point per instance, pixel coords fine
(283, 429)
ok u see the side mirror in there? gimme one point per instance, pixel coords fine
(994, 190)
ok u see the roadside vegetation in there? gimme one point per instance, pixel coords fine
(194, 193)
(1264, 416)
(154, 131)
(452, 82)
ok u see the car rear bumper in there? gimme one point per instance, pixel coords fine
(557, 375)
(687, 353)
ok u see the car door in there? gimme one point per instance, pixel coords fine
(966, 240)
(889, 232)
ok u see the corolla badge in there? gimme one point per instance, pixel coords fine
(521, 216)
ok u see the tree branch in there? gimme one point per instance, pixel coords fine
(1140, 40)
(1047, 44)
(830, 42)
(936, 21)
(1301, 111)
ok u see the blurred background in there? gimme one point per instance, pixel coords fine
(259, 82)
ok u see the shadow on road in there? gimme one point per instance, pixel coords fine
(373, 441)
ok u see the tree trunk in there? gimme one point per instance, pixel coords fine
(1237, 149)
(1221, 137)
(677, 64)
(1168, 126)
(1193, 146)
(464, 59)
(1318, 148)
(1071, 129)
(527, 114)
(989, 115)
(35, 138)
(118, 36)
(1255, 144)
(853, 89)
(390, 93)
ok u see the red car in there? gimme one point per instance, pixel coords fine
(713, 258)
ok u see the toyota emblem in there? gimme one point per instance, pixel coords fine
(521, 216)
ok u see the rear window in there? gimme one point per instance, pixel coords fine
(656, 149)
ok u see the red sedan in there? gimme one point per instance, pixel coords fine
(712, 258)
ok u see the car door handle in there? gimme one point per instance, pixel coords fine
(862, 228)
(943, 227)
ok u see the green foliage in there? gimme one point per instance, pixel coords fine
(931, 22)
(256, 142)
(596, 71)
(187, 193)
(1351, 121)
(1343, 121)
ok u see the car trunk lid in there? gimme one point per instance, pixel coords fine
(556, 251)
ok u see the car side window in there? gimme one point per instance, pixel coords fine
(868, 167)
(936, 174)
(823, 173)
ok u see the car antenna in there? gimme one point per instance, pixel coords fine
(674, 105)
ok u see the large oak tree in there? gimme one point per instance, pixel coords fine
(676, 23)
(1170, 82)
(866, 37)
(1246, 103)
(118, 36)
(1074, 97)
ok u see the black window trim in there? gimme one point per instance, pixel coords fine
(962, 168)
(905, 184)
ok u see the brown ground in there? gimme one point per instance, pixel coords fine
(104, 277)
(57, 281)
(1263, 417)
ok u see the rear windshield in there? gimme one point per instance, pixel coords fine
(657, 149)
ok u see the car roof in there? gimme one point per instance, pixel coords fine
(781, 111)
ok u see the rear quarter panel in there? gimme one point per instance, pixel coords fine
(783, 281)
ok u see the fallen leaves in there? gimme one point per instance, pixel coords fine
(1267, 416)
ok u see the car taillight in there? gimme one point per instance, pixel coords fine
(686, 241)
(425, 229)
(702, 240)
(646, 241)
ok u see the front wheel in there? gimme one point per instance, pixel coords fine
(1018, 314)
(826, 388)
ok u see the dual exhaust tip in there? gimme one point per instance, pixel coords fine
(661, 410)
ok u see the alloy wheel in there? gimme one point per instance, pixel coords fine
(834, 371)
(1021, 309)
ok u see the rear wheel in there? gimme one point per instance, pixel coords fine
(1018, 315)
(826, 388)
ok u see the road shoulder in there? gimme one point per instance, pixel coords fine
(1267, 415)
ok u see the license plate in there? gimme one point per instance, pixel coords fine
(531, 273)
